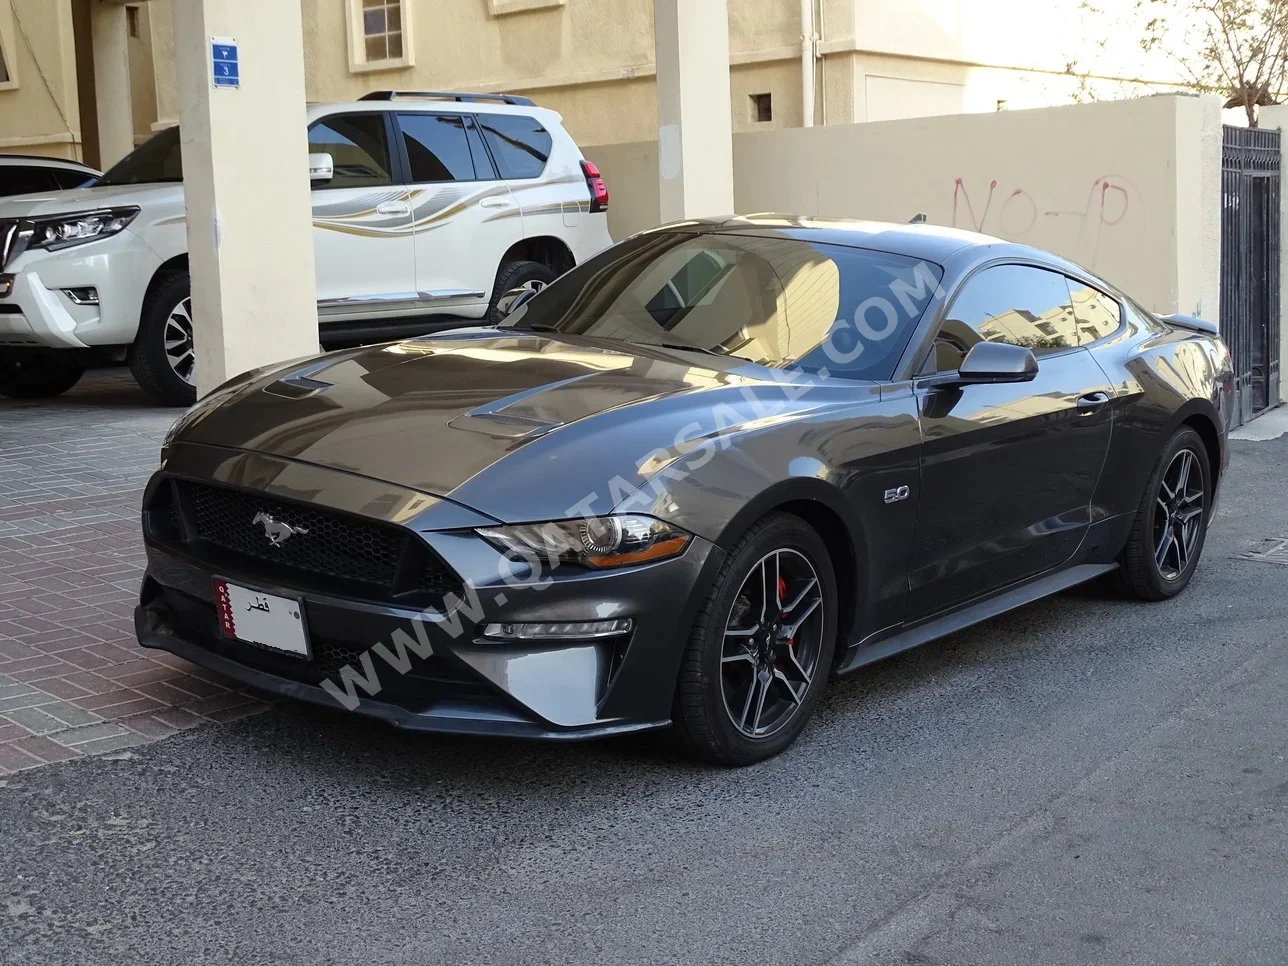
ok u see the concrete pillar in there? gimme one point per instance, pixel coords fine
(246, 187)
(694, 117)
(110, 37)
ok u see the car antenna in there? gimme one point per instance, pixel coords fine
(918, 219)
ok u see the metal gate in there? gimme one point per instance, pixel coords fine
(1250, 269)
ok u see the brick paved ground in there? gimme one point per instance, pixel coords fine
(73, 680)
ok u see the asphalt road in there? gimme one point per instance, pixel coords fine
(1084, 781)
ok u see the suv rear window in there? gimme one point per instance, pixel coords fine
(520, 144)
(437, 147)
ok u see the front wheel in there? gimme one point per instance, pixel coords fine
(761, 649)
(162, 358)
(1170, 526)
(37, 373)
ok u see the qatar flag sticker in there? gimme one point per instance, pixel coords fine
(255, 617)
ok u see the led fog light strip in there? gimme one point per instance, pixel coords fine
(572, 631)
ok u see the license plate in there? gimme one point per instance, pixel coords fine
(255, 617)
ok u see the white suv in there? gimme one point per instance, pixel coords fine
(427, 208)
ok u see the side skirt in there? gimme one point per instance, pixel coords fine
(863, 653)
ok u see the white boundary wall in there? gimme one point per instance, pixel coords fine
(1129, 189)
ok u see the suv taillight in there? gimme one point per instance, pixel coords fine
(598, 190)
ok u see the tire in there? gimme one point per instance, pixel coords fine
(161, 358)
(722, 677)
(512, 275)
(1161, 553)
(37, 373)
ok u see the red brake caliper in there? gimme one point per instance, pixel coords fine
(782, 593)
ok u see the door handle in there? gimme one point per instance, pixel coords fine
(496, 203)
(392, 208)
(1092, 402)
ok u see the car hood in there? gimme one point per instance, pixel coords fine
(86, 199)
(437, 415)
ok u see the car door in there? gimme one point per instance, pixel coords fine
(1008, 470)
(362, 235)
(553, 202)
(464, 215)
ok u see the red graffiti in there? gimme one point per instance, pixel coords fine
(1110, 200)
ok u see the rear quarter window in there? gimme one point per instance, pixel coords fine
(520, 145)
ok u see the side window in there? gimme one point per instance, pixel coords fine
(520, 144)
(1096, 313)
(359, 148)
(1016, 304)
(19, 179)
(437, 147)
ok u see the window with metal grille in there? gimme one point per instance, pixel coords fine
(762, 107)
(382, 29)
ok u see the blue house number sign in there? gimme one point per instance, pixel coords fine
(223, 59)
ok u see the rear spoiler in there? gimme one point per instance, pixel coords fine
(1202, 326)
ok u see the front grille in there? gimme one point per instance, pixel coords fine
(218, 524)
(327, 543)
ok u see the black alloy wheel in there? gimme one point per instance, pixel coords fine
(761, 648)
(1170, 525)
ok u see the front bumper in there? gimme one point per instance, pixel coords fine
(38, 312)
(468, 684)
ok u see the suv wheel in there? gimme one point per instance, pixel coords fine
(517, 275)
(761, 648)
(37, 373)
(162, 357)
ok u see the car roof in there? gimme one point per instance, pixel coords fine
(932, 243)
(42, 161)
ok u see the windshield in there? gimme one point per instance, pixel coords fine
(770, 299)
(156, 160)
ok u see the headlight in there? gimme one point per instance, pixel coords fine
(598, 542)
(68, 230)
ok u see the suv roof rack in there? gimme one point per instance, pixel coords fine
(515, 99)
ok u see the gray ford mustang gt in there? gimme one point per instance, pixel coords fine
(686, 484)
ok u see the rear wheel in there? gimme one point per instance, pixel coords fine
(1170, 526)
(761, 649)
(37, 373)
(517, 275)
(162, 358)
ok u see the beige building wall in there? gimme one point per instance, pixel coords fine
(1138, 201)
(143, 87)
(592, 60)
(38, 107)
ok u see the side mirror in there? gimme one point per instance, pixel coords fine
(513, 299)
(321, 168)
(991, 362)
(998, 362)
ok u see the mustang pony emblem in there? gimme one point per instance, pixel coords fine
(276, 531)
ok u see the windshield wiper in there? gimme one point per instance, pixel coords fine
(688, 347)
